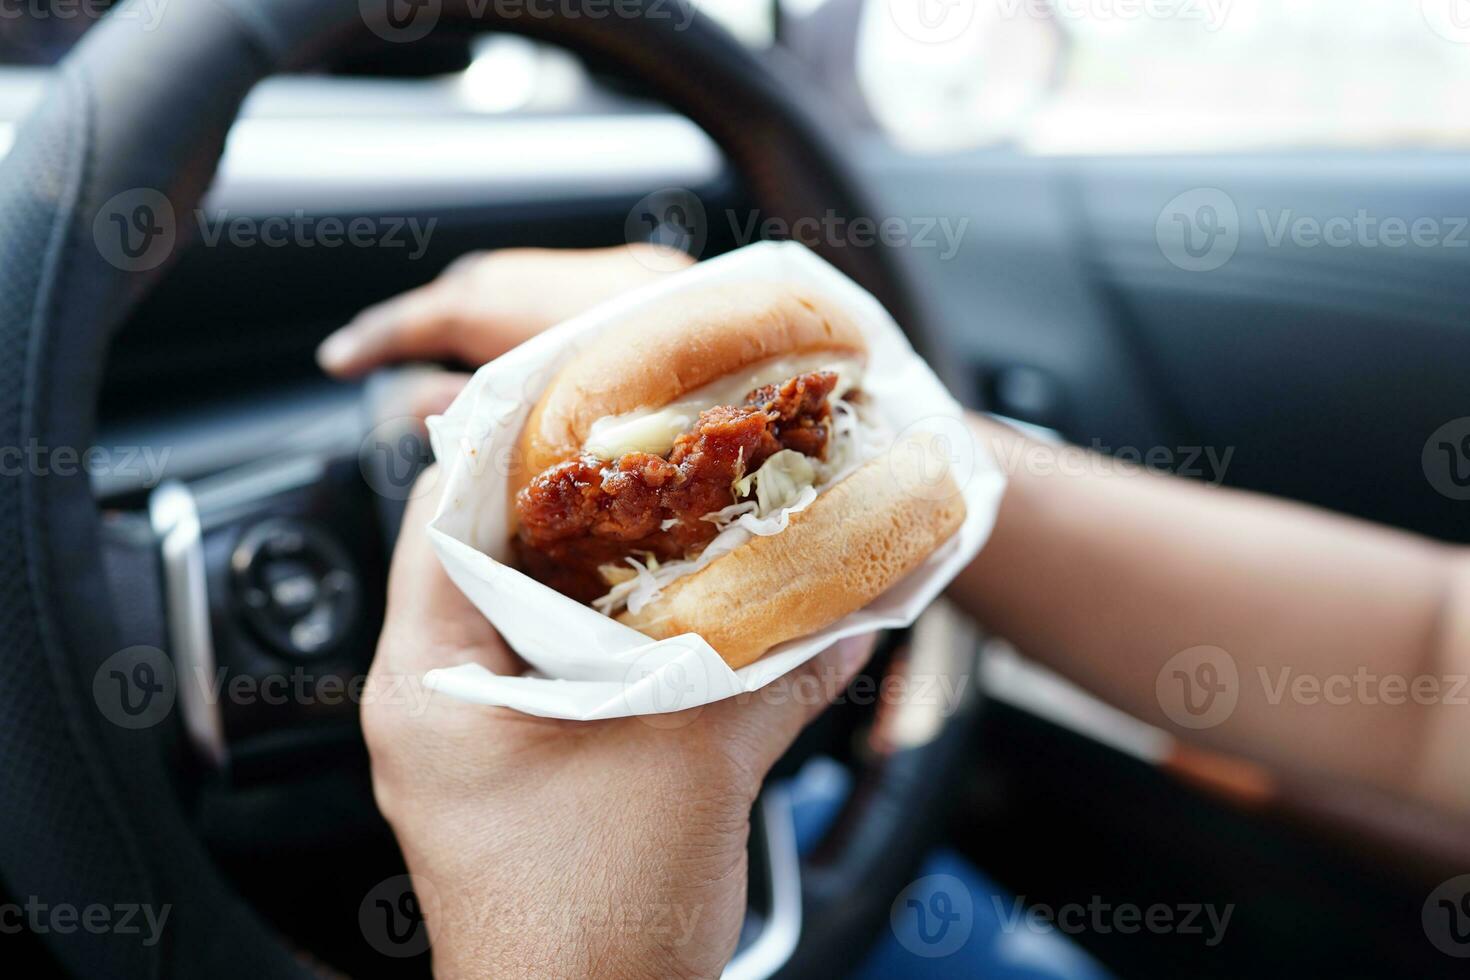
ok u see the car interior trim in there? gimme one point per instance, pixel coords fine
(174, 515)
(778, 938)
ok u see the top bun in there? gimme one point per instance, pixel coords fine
(677, 345)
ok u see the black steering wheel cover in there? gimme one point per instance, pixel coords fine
(66, 834)
(136, 108)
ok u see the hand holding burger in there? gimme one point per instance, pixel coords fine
(491, 806)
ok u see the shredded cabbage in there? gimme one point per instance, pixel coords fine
(786, 483)
(779, 481)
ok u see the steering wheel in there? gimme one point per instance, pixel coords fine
(131, 127)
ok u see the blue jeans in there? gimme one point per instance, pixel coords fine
(951, 921)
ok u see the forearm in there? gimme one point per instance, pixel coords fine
(1106, 573)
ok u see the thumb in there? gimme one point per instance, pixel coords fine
(768, 720)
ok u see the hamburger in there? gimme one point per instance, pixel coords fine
(714, 466)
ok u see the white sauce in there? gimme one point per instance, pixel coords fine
(650, 430)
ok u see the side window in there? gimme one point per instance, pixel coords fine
(1167, 76)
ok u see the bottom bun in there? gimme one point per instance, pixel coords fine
(857, 539)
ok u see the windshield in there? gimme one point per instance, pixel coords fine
(40, 32)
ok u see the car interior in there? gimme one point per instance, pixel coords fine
(1037, 163)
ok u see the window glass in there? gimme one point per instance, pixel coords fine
(1163, 76)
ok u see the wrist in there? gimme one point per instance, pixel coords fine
(567, 941)
(567, 914)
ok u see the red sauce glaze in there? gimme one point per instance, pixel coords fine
(585, 512)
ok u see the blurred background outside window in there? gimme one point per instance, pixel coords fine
(1088, 77)
(1167, 76)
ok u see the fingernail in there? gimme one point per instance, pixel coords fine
(337, 350)
(853, 652)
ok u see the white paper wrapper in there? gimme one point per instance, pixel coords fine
(586, 665)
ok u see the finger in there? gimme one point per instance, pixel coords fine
(466, 263)
(411, 393)
(429, 622)
(486, 303)
(417, 324)
(767, 721)
(435, 393)
(432, 394)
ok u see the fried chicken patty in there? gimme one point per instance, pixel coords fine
(586, 512)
